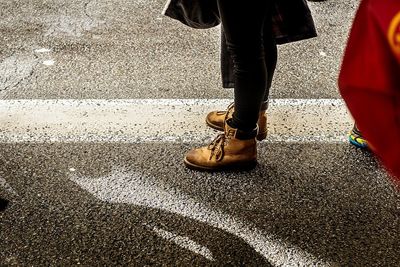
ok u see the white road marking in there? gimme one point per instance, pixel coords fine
(135, 188)
(42, 50)
(14, 69)
(165, 7)
(7, 187)
(48, 62)
(183, 242)
(162, 120)
(74, 25)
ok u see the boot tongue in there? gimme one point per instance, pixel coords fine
(231, 132)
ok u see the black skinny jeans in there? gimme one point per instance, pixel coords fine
(251, 44)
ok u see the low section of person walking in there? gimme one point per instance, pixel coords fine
(251, 31)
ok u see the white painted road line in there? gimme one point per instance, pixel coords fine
(122, 186)
(183, 242)
(4, 185)
(161, 120)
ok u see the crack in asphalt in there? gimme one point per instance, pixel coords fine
(85, 10)
(7, 78)
(19, 80)
(70, 24)
(24, 78)
(5, 58)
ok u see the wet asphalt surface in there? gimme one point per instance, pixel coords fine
(72, 204)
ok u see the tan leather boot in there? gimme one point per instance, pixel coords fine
(231, 150)
(215, 119)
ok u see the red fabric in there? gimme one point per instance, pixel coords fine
(369, 79)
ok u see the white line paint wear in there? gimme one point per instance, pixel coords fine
(134, 188)
(166, 7)
(42, 50)
(7, 187)
(48, 62)
(183, 242)
(162, 120)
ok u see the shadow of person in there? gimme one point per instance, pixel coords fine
(97, 232)
(3, 204)
(54, 217)
(330, 202)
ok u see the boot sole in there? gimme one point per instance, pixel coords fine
(243, 166)
(216, 127)
(259, 137)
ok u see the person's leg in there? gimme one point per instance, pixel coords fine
(271, 58)
(243, 24)
(215, 119)
(236, 147)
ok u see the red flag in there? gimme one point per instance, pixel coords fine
(369, 79)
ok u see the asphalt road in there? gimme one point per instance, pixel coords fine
(314, 203)
(127, 49)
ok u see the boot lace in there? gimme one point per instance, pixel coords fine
(218, 144)
(217, 147)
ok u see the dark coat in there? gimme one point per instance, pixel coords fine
(292, 21)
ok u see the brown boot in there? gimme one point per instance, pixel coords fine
(233, 149)
(215, 119)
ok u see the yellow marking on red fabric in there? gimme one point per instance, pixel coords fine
(394, 34)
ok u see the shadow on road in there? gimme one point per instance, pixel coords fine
(3, 204)
(332, 202)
